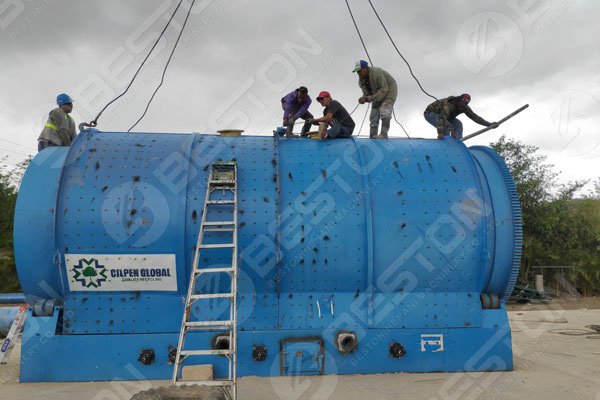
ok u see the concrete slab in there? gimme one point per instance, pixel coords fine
(547, 366)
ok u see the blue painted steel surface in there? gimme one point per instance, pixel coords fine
(393, 240)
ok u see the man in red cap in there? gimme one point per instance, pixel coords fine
(442, 114)
(335, 116)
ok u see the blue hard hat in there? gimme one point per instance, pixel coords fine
(63, 98)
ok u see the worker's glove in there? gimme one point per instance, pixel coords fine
(362, 100)
(309, 120)
(494, 125)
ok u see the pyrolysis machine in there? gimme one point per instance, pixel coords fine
(355, 255)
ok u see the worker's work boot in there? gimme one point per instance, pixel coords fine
(385, 127)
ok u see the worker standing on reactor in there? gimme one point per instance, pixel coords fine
(295, 105)
(59, 130)
(379, 88)
(335, 116)
(442, 114)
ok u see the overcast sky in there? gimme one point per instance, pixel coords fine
(238, 58)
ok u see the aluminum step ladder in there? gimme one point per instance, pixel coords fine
(13, 333)
(221, 198)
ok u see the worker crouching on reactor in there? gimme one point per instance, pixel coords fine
(442, 114)
(335, 116)
(295, 105)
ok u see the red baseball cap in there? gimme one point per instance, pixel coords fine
(324, 93)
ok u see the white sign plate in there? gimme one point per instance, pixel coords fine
(432, 342)
(121, 272)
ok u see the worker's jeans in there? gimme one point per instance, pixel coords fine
(433, 118)
(305, 128)
(42, 144)
(338, 131)
(383, 112)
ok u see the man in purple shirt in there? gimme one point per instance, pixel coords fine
(295, 105)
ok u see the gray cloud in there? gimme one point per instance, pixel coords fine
(454, 47)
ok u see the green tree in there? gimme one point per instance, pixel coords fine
(9, 181)
(557, 230)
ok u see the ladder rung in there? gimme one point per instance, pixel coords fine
(222, 182)
(219, 230)
(205, 383)
(208, 324)
(220, 202)
(213, 270)
(217, 223)
(205, 352)
(211, 296)
(217, 246)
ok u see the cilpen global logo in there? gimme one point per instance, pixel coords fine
(89, 272)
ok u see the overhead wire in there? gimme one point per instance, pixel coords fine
(400, 53)
(14, 152)
(358, 31)
(94, 122)
(162, 79)
(371, 61)
(18, 144)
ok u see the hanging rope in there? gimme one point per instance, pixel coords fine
(358, 31)
(162, 78)
(94, 122)
(398, 51)
(371, 61)
(398, 122)
(363, 120)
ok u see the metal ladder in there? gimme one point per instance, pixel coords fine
(223, 179)
(13, 333)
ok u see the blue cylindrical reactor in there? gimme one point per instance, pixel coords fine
(356, 235)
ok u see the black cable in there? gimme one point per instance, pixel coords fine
(358, 31)
(94, 122)
(398, 51)
(162, 79)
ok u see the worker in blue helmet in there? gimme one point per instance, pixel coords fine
(59, 130)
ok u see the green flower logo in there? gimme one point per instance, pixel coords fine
(89, 273)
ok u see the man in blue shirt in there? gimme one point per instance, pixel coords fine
(295, 105)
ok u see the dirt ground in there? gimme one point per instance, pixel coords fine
(563, 303)
(547, 366)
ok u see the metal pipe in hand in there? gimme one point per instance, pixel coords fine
(479, 132)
